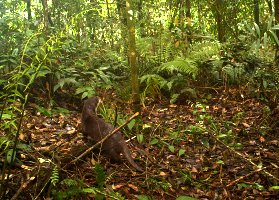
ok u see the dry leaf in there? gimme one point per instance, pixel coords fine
(163, 174)
(246, 125)
(118, 186)
(262, 139)
(194, 170)
(133, 187)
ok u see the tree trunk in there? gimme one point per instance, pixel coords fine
(218, 14)
(110, 25)
(276, 9)
(256, 12)
(189, 21)
(28, 8)
(132, 55)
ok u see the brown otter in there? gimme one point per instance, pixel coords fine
(97, 129)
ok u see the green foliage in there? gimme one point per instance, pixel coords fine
(54, 178)
(140, 138)
(72, 188)
(4, 143)
(100, 175)
(156, 183)
(144, 197)
(186, 66)
(49, 112)
(11, 156)
(175, 77)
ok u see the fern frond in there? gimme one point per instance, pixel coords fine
(186, 66)
(204, 51)
(54, 176)
(233, 72)
(153, 79)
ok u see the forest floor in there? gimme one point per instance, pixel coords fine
(224, 147)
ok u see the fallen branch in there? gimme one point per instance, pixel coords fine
(105, 138)
(242, 177)
(23, 186)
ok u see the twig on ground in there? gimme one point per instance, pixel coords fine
(242, 177)
(24, 185)
(249, 160)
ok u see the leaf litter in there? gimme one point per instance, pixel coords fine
(222, 148)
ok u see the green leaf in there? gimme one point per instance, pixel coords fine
(276, 27)
(222, 136)
(6, 116)
(174, 98)
(154, 141)
(9, 156)
(146, 126)
(275, 187)
(171, 148)
(257, 28)
(143, 197)
(91, 190)
(85, 94)
(265, 39)
(185, 198)
(131, 124)
(181, 152)
(140, 138)
(221, 162)
(275, 37)
(100, 175)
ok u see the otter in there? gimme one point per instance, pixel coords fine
(97, 129)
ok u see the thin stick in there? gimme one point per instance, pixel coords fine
(24, 185)
(242, 177)
(249, 160)
(105, 138)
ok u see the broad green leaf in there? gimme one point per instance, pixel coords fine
(174, 98)
(181, 152)
(6, 116)
(154, 141)
(220, 162)
(275, 37)
(185, 198)
(140, 138)
(257, 28)
(275, 187)
(131, 124)
(85, 94)
(171, 148)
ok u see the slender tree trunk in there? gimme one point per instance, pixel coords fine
(189, 21)
(123, 18)
(132, 55)
(256, 12)
(218, 13)
(110, 25)
(276, 9)
(45, 7)
(140, 18)
(28, 8)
